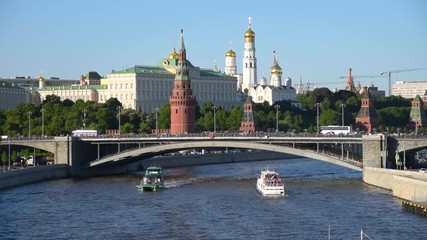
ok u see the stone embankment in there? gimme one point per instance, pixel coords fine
(33, 174)
(408, 185)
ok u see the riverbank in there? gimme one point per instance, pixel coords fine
(33, 174)
(407, 185)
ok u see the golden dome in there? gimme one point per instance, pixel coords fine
(41, 79)
(230, 53)
(173, 54)
(249, 35)
(275, 68)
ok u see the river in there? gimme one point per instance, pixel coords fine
(210, 202)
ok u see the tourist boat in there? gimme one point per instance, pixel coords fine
(152, 180)
(269, 183)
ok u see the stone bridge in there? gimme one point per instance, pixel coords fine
(99, 153)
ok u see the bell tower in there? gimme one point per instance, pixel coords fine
(249, 59)
(183, 102)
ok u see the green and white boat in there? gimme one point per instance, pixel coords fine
(152, 180)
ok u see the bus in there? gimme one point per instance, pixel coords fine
(335, 130)
(85, 133)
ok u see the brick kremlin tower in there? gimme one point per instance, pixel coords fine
(367, 119)
(417, 115)
(183, 102)
(248, 123)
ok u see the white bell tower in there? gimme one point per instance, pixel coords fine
(230, 62)
(249, 59)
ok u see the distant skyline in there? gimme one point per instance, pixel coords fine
(317, 40)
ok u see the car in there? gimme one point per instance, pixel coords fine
(422, 170)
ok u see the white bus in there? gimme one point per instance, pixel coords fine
(336, 130)
(85, 133)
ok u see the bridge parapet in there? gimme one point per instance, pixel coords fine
(408, 143)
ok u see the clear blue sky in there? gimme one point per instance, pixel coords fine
(318, 40)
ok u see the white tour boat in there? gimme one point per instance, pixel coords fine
(269, 183)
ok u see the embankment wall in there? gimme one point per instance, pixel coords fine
(408, 185)
(33, 174)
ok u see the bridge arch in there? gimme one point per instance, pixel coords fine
(161, 149)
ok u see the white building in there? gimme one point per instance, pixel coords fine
(249, 60)
(149, 87)
(409, 89)
(275, 91)
(246, 82)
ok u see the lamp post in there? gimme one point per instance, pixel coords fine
(157, 126)
(317, 108)
(277, 117)
(120, 113)
(84, 118)
(29, 124)
(214, 110)
(8, 164)
(42, 110)
(342, 113)
(416, 127)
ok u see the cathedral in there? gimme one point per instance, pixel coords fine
(270, 92)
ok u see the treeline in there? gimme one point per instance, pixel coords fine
(62, 117)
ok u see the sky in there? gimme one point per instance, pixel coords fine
(316, 41)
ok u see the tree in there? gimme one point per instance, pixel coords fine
(329, 117)
(14, 157)
(165, 117)
(4, 158)
(234, 118)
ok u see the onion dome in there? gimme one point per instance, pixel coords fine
(275, 68)
(173, 55)
(263, 81)
(230, 53)
(249, 35)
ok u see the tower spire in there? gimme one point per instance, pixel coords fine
(250, 20)
(274, 58)
(182, 40)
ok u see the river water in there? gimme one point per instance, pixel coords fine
(210, 202)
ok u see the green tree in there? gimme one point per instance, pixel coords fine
(329, 117)
(14, 157)
(127, 128)
(234, 118)
(165, 117)
(4, 159)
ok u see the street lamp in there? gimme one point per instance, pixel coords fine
(8, 164)
(317, 107)
(120, 113)
(342, 113)
(42, 110)
(157, 126)
(277, 117)
(29, 124)
(416, 127)
(214, 110)
(84, 118)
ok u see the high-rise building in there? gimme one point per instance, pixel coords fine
(409, 89)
